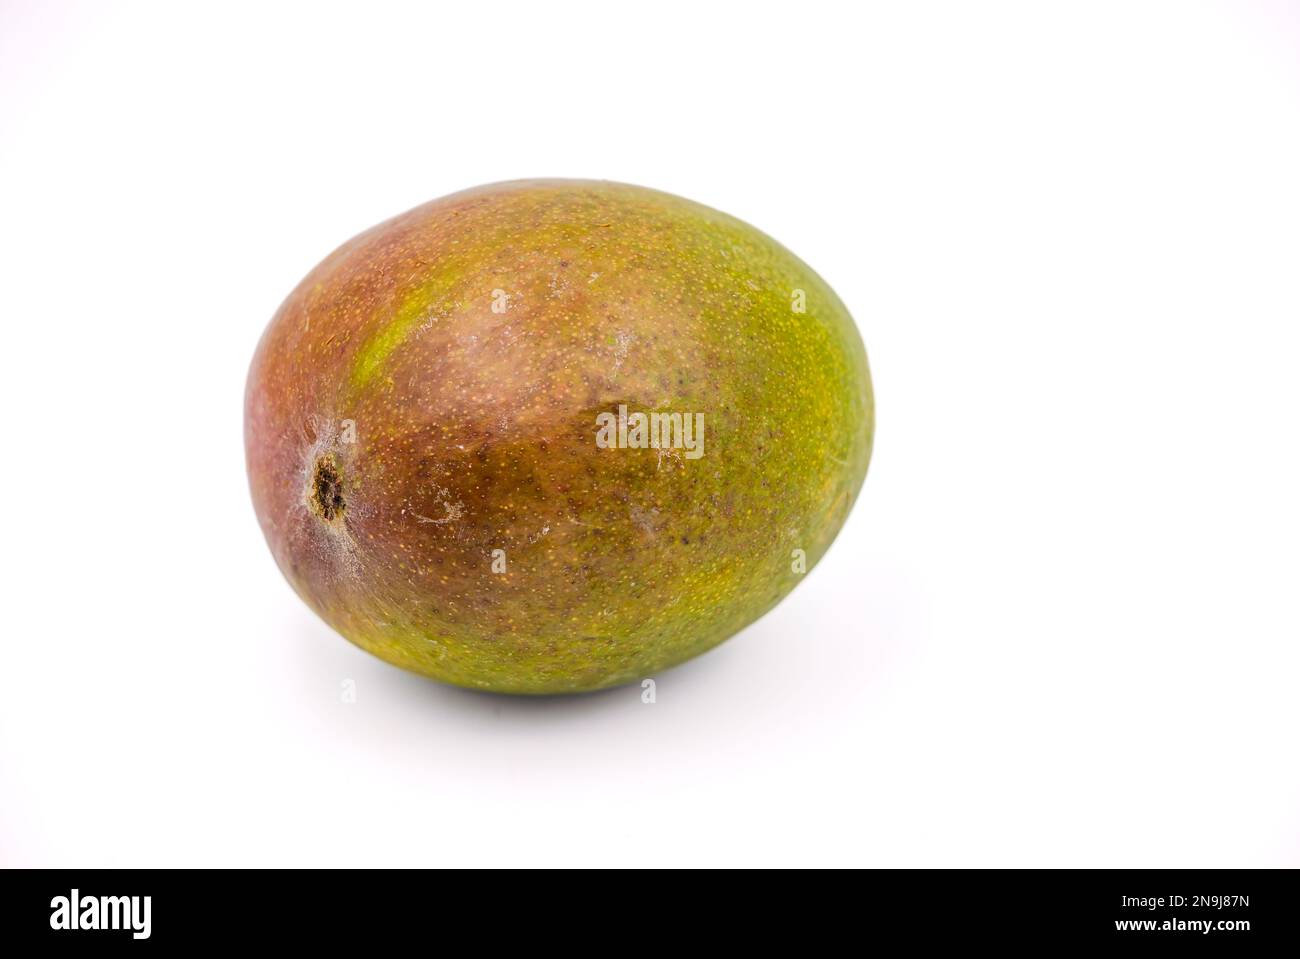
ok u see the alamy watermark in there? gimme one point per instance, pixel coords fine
(657, 431)
(126, 913)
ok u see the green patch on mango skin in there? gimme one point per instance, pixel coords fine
(415, 309)
(475, 433)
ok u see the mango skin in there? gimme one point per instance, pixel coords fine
(425, 468)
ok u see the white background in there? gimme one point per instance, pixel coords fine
(1061, 626)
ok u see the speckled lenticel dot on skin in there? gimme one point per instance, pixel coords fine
(421, 427)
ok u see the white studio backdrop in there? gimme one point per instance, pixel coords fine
(1060, 627)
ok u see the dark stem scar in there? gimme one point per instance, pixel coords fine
(325, 494)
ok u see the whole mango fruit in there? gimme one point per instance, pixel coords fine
(554, 435)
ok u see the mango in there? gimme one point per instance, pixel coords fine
(551, 436)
